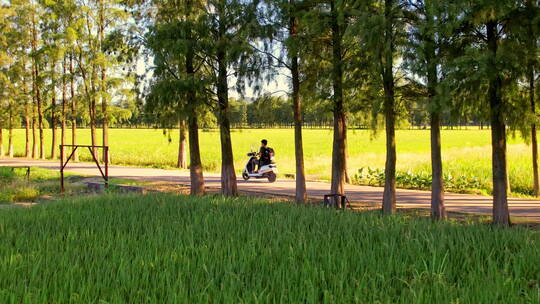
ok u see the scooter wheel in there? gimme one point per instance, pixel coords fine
(272, 177)
(245, 176)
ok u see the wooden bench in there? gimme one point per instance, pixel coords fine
(333, 199)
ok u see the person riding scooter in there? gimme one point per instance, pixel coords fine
(266, 165)
(264, 154)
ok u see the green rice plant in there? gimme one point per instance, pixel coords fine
(6, 174)
(178, 249)
(7, 197)
(26, 193)
(127, 181)
(14, 186)
(418, 180)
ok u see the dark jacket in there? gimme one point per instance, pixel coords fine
(264, 154)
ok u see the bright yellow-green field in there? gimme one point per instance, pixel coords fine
(465, 152)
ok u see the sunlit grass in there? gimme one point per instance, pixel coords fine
(176, 249)
(465, 152)
(14, 186)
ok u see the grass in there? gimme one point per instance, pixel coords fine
(14, 187)
(466, 153)
(127, 181)
(178, 249)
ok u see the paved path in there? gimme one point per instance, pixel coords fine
(365, 194)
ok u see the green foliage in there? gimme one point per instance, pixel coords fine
(420, 180)
(14, 187)
(165, 248)
(472, 65)
(269, 109)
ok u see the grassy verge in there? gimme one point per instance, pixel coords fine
(177, 249)
(127, 181)
(14, 187)
(421, 180)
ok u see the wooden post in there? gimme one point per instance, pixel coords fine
(106, 148)
(61, 168)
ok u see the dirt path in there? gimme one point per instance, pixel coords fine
(361, 194)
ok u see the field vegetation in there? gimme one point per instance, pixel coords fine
(15, 187)
(466, 154)
(179, 249)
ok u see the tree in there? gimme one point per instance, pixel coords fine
(287, 24)
(114, 53)
(527, 34)
(179, 81)
(484, 74)
(165, 101)
(231, 25)
(330, 64)
(72, 30)
(338, 148)
(60, 34)
(382, 33)
(99, 47)
(532, 65)
(53, 53)
(425, 56)
(182, 149)
(6, 27)
(36, 56)
(45, 35)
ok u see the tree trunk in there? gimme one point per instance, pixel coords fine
(345, 159)
(53, 120)
(34, 132)
(10, 143)
(92, 112)
(501, 214)
(26, 117)
(40, 121)
(195, 165)
(228, 176)
(105, 127)
(1, 143)
(438, 209)
(532, 49)
(301, 192)
(338, 148)
(10, 132)
(26, 131)
(534, 141)
(63, 132)
(103, 84)
(37, 90)
(182, 153)
(389, 195)
(73, 109)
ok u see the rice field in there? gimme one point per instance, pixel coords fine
(466, 153)
(177, 249)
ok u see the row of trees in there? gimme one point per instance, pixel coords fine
(61, 61)
(269, 110)
(375, 61)
(376, 57)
